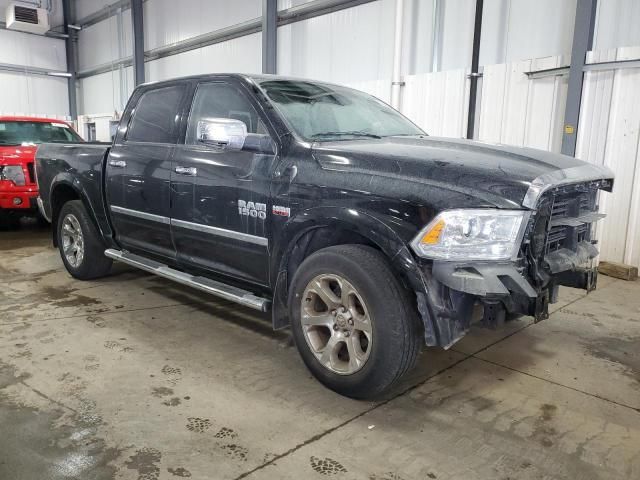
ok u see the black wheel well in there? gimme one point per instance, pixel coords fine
(60, 195)
(321, 237)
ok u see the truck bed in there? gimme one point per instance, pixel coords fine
(79, 166)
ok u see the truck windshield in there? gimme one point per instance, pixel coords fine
(319, 112)
(32, 133)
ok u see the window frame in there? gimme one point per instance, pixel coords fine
(242, 90)
(123, 136)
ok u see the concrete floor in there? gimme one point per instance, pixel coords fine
(133, 377)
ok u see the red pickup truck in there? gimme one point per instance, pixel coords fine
(19, 137)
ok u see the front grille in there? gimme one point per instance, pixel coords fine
(569, 205)
(26, 15)
(32, 173)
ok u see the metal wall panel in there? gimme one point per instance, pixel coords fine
(33, 94)
(348, 46)
(438, 102)
(518, 111)
(20, 48)
(87, 7)
(103, 93)
(105, 41)
(242, 55)
(617, 24)
(515, 30)
(168, 21)
(609, 134)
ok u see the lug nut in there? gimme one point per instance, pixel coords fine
(350, 321)
(335, 327)
(347, 333)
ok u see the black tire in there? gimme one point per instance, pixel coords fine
(93, 264)
(396, 331)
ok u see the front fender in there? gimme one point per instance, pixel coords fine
(294, 237)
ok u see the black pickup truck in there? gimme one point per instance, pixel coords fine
(328, 208)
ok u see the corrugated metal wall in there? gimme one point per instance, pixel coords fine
(609, 134)
(32, 94)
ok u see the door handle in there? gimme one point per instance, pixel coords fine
(118, 163)
(190, 171)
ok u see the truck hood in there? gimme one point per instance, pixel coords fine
(500, 175)
(16, 155)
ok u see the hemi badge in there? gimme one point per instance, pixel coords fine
(282, 211)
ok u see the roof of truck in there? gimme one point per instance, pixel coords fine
(20, 118)
(246, 76)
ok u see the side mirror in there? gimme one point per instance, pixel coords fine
(223, 133)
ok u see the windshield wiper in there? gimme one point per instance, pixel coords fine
(354, 133)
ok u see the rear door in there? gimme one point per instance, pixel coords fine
(138, 170)
(220, 199)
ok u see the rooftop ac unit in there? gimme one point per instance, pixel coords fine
(27, 18)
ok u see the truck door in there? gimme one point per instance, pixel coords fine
(220, 206)
(138, 170)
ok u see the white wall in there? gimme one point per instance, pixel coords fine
(617, 24)
(243, 55)
(347, 46)
(33, 94)
(170, 21)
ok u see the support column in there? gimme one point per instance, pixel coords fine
(582, 42)
(71, 43)
(138, 41)
(269, 36)
(475, 65)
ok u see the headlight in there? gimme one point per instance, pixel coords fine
(13, 173)
(480, 234)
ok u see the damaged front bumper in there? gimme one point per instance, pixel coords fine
(557, 250)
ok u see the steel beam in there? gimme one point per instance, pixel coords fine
(28, 70)
(314, 9)
(269, 36)
(582, 42)
(475, 72)
(138, 41)
(71, 44)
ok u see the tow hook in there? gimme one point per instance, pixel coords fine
(494, 314)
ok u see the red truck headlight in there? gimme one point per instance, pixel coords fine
(13, 173)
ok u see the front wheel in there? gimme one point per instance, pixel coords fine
(81, 246)
(353, 322)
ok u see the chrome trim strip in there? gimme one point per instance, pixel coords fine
(41, 209)
(139, 214)
(221, 232)
(228, 292)
(584, 173)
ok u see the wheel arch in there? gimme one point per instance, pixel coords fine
(62, 192)
(321, 227)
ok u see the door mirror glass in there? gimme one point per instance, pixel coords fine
(222, 133)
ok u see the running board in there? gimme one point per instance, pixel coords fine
(213, 287)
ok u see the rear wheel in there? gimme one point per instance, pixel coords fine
(352, 321)
(80, 244)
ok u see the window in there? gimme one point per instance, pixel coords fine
(320, 112)
(155, 116)
(221, 100)
(33, 133)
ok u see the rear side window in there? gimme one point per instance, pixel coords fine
(156, 115)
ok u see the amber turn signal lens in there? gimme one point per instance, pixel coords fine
(432, 237)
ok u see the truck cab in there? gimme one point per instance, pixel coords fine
(19, 138)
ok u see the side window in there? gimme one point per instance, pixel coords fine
(154, 117)
(221, 100)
